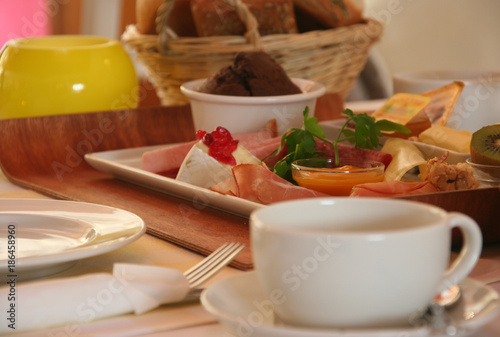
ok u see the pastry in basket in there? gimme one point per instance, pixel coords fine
(252, 74)
(178, 17)
(146, 12)
(176, 14)
(222, 17)
(217, 17)
(330, 13)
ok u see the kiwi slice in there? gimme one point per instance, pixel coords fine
(485, 146)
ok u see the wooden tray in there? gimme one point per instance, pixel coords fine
(46, 155)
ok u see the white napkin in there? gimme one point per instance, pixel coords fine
(129, 289)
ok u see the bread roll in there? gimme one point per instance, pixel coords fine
(331, 13)
(145, 12)
(179, 18)
(306, 22)
(215, 17)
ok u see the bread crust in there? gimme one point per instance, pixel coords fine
(330, 13)
(216, 18)
(180, 19)
(145, 15)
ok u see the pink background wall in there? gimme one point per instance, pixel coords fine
(23, 18)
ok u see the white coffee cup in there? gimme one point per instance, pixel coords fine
(478, 104)
(357, 262)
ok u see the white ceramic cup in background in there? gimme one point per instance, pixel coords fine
(357, 262)
(479, 103)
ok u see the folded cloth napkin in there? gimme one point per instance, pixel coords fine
(129, 289)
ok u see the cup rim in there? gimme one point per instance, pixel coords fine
(190, 90)
(257, 222)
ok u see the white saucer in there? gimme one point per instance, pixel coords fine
(47, 236)
(238, 303)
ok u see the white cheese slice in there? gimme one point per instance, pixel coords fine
(201, 169)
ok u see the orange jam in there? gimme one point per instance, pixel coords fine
(320, 174)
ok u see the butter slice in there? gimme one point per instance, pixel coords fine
(405, 156)
(447, 138)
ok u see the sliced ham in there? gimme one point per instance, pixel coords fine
(392, 189)
(267, 147)
(353, 152)
(227, 187)
(264, 148)
(168, 160)
(258, 184)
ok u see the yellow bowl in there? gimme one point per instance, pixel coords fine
(64, 74)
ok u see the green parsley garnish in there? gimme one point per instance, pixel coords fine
(367, 131)
(301, 142)
(300, 145)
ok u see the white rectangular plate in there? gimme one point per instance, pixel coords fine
(126, 164)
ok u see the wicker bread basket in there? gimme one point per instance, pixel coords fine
(334, 57)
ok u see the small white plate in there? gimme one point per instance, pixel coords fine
(42, 237)
(239, 303)
(126, 164)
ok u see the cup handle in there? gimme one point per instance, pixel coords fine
(470, 252)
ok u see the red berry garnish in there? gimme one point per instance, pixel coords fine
(200, 134)
(221, 145)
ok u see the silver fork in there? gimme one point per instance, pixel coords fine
(214, 262)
